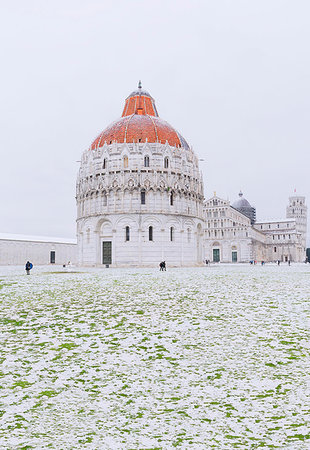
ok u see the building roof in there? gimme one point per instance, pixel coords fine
(241, 202)
(23, 237)
(140, 122)
(261, 222)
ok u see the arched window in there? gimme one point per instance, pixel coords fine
(188, 234)
(104, 165)
(171, 234)
(150, 233)
(171, 199)
(104, 200)
(143, 197)
(166, 162)
(125, 162)
(146, 161)
(127, 234)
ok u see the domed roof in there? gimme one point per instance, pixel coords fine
(241, 202)
(140, 123)
(243, 206)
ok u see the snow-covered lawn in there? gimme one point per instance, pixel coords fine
(213, 357)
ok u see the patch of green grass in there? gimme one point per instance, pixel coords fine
(47, 393)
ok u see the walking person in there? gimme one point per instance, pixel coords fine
(28, 267)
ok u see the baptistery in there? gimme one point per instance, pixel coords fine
(139, 193)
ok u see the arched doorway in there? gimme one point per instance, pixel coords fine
(234, 253)
(216, 252)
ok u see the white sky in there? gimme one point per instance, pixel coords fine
(231, 76)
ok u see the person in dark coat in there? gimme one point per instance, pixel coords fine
(162, 266)
(28, 267)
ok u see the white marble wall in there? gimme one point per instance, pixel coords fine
(18, 252)
(109, 199)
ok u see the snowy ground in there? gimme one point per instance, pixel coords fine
(213, 357)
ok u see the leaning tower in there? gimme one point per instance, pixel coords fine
(297, 209)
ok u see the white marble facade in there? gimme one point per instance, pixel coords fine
(230, 236)
(145, 201)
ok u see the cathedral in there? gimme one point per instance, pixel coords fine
(140, 200)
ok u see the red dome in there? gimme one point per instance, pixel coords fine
(140, 123)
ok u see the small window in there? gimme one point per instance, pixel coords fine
(166, 162)
(278, 226)
(127, 234)
(274, 249)
(143, 197)
(171, 234)
(289, 236)
(125, 162)
(146, 161)
(171, 199)
(52, 257)
(188, 234)
(278, 236)
(104, 165)
(150, 233)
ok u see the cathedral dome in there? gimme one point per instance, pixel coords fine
(241, 202)
(140, 123)
(242, 205)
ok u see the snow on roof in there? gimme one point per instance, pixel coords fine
(275, 221)
(23, 237)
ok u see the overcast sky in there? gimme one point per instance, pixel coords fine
(231, 76)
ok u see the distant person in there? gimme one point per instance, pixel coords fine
(278, 262)
(28, 267)
(289, 262)
(162, 266)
